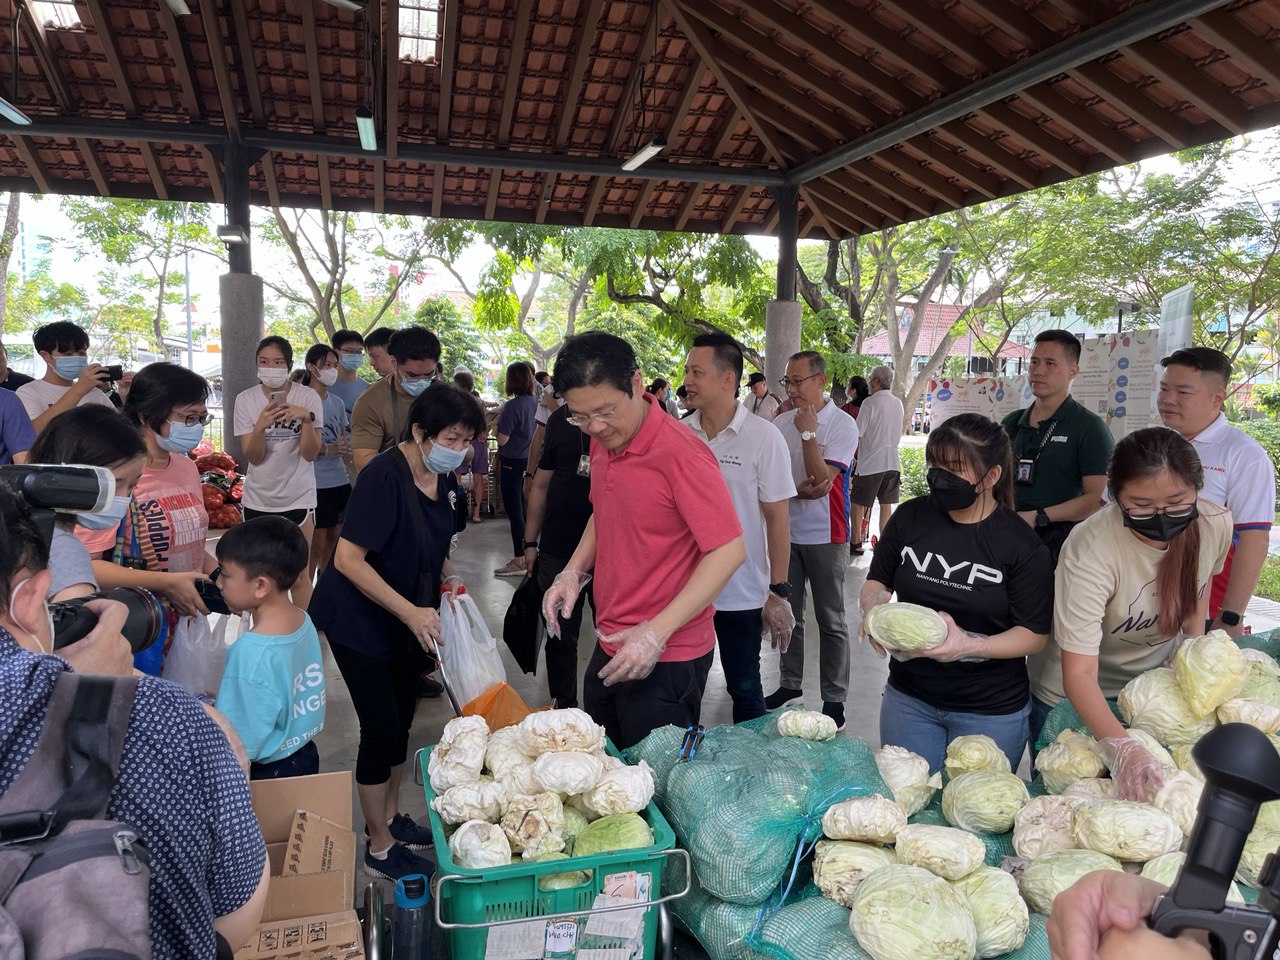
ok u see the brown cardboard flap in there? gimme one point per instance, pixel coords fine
(300, 895)
(326, 795)
(317, 845)
(334, 936)
(276, 853)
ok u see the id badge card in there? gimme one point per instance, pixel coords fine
(584, 465)
(1025, 474)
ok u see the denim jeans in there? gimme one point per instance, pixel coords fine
(1039, 714)
(738, 633)
(925, 730)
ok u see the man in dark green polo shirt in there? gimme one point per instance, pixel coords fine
(1060, 449)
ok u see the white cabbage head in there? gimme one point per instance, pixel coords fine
(1256, 713)
(534, 825)
(1180, 799)
(1153, 747)
(459, 756)
(1130, 832)
(520, 780)
(1154, 702)
(1047, 876)
(1185, 762)
(623, 790)
(1045, 824)
(839, 866)
(905, 626)
(807, 725)
(870, 819)
(984, 801)
(568, 729)
(975, 751)
(1073, 756)
(945, 851)
(1261, 842)
(1210, 670)
(999, 912)
(1164, 869)
(907, 775)
(505, 751)
(481, 800)
(476, 845)
(567, 772)
(1092, 788)
(901, 912)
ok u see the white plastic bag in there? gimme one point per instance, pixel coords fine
(472, 663)
(196, 658)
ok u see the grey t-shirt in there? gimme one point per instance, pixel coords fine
(69, 562)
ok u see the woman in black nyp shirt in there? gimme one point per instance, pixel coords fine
(963, 551)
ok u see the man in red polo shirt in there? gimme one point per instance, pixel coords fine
(662, 542)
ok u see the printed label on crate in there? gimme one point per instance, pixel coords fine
(562, 938)
(520, 941)
(627, 886)
(612, 953)
(619, 924)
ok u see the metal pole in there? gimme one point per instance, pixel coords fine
(236, 191)
(787, 199)
(186, 284)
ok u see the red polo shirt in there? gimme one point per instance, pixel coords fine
(660, 506)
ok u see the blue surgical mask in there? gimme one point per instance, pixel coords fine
(182, 438)
(443, 460)
(108, 519)
(414, 388)
(351, 361)
(68, 368)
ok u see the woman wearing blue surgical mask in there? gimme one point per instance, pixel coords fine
(378, 602)
(333, 488)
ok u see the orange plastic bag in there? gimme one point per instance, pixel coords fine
(500, 705)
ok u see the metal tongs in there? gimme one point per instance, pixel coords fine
(693, 737)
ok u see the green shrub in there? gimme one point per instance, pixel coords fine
(1267, 433)
(1269, 580)
(913, 470)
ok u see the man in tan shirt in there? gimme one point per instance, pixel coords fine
(381, 413)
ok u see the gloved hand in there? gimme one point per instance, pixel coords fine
(562, 596)
(778, 621)
(1137, 774)
(636, 657)
(870, 597)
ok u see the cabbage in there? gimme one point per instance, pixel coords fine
(1129, 831)
(1045, 824)
(907, 775)
(534, 825)
(839, 866)
(1073, 756)
(975, 752)
(945, 851)
(999, 912)
(871, 819)
(574, 824)
(984, 801)
(901, 912)
(520, 780)
(567, 772)
(476, 845)
(1260, 843)
(570, 729)
(620, 831)
(1092, 788)
(624, 790)
(905, 626)
(1256, 713)
(561, 881)
(1154, 702)
(481, 800)
(807, 725)
(1180, 799)
(1269, 816)
(504, 752)
(1185, 762)
(1046, 877)
(1210, 670)
(1164, 869)
(459, 756)
(1264, 677)
(1153, 747)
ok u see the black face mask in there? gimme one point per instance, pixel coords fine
(950, 491)
(1161, 526)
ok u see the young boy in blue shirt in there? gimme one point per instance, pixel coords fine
(273, 688)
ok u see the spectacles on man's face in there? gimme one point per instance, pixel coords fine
(582, 419)
(789, 382)
(191, 419)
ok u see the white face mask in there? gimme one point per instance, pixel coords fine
(329, 377)
(14, 620)
(273, 377)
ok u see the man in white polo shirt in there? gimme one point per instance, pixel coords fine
(822, 440)
(1237, 472)
(877, 475)
(757, 470)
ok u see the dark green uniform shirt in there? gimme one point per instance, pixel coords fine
(1079, 446)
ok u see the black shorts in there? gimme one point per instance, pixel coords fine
(331, 506)
(298, 516)
(866, 490)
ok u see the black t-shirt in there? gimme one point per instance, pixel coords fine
(379, 519)
(569, 495)
(15, 380)
(989, 577)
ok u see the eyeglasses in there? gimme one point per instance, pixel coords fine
(581, 420)
(191, 419)
(1176, 511)
(788, 382)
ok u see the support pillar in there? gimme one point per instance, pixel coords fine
(240, 296)
(782, 316)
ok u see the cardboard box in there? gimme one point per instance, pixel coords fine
(318, 846)
(335, 936)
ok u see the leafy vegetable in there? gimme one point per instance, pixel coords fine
(984, 801)
(945, 851)
(1129, 831)
(999, 912)
(975, 752)
(905, 626)
(901, 912)
(621, 831)
(1047, 876)
(1210, 670)
(839, 866)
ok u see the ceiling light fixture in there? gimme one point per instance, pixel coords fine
(233, 233)
(179, 8)
(645, 153)
(346, 5)
(648, 123)
(12, 113)
(368, 131)
(7, 108)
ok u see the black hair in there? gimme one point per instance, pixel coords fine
(94, 435)
(977, 442)
(681, 392)
(1204, 359)
(726, 350)
(378, 338)
(817, 363)
(658, 384)
(283, 345)
(520, 381)
(63, 336)
(592, 358)
(270, 547)
(159, 387)
(22, 546)
(1069, 341)
(302, 375)
(317, 352)
(542, 377)
(440, 408)
(342, 337)
(414, 343)
(465, 379)
(860, 389)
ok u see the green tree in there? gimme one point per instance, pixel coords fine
(459, 339)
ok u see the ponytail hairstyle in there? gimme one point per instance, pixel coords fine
(1142, 455)
(977, 442)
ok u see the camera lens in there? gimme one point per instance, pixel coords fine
(144, 623)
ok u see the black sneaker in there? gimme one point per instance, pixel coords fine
(407, 832)
(781, 697)
(836, 712)
(429, 687)
(398, 863)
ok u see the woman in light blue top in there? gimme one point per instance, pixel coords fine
(333, 486)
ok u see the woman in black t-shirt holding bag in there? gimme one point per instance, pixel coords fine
(964, 552)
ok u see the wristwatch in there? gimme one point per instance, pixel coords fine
(1230, 618)
(528, 475)
(529, 545)
(809, 435)
(782, 590)
(1042, 518)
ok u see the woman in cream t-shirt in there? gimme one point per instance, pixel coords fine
(1131, 581)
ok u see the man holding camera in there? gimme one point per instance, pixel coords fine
(69, 379)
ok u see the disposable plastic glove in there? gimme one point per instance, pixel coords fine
(1137, 774)
(636, 657)
(562, 596)
(778, 622)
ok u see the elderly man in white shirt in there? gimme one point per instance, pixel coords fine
(877, 475)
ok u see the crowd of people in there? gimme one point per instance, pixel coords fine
(355, 493)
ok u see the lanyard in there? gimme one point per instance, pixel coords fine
(1053, 425)
(395, 419)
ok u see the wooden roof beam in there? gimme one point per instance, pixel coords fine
(854, 210)
(1250, 51)
(99, 178)
(641, 205)
(391, 58)
(1037, 138)
(964, 170)
(221, 68)
(695, 190)
(944, 31)
(572, 91)
(215, 173)
(1161, 122)
(26, 152)
(39, 45)
(1005, 163)
(869, 31)
(313, 67)
(515, 68)
(153, 169)
(734, 210)
(1079, 121)
(182, 64)
(1195, 85)
(678, 116)
(111, 50)
(448, 58)
(249, 66)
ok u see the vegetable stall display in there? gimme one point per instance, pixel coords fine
(222, 489)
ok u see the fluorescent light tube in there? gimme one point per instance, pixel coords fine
(645, 153)
(179, 8)
(368, 132)
(230, 233)
(13, 114)
(344, 5)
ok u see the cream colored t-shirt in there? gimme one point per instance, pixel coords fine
(1105, 601)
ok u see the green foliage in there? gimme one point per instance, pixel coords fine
(1267, 433)
(1267, 397)
(913, 472)
(1269, 579)
(459, 339)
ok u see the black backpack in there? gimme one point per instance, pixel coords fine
(73, 885)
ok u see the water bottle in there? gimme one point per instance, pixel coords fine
(411, 922)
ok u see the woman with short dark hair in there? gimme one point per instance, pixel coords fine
(516, 424)
(378, 603)
(333, 487)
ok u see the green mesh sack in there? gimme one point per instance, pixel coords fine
(1268, 643)
(721, 928)
(1064, 717)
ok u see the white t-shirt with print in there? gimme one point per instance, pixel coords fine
(283, 480)
(39, 395)
(825, 520)
(756, 469)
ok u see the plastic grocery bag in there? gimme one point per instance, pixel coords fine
(500, 706)
(472, 663)
(197, 658)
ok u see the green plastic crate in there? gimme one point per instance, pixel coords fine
(497, 894)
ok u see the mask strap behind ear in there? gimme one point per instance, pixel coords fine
(14, 620)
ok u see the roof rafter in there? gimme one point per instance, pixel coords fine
(27, 153)
(391, 62)
(250, 68)
(1161, 122)
(695, 190)
(221, 68)
(1203, 91)
(1227, 33)
(673, 128)
(44, 56)
(515, 67)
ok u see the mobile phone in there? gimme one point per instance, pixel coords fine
(114, 372)
(276, 398)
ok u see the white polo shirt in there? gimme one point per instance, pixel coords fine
(879, 433)
(756, 469)
(1237, 474)
(826, 520)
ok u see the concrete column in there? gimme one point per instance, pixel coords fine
(781, 338)
(240, 295)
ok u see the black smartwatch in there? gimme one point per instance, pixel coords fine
(1042, 518)
(1230, 618)
(529, 545)
(782, 590)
